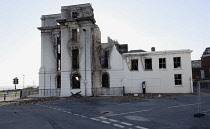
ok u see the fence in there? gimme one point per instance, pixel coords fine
(203, 92)
(204, 86)
(9, 95)
(41, 92)
(111, 91)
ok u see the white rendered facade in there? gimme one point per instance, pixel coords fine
(73, 59)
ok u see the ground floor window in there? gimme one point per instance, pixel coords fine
(105, 80)
(75, 81)
(178, 79)
(59, 81)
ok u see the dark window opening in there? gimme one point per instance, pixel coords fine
(75, 14)
(58, 53)
(104, 59)
(74, 34)
(177, 62)
(162, 63)
(75, 81)
(178, 79)
(75, 59)
(105, 80)
(134, 64)
(59, 81)
(148, 64)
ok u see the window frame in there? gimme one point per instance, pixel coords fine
(178, 79)
(177, 62)
(146, 64)
(162, 63)
(132, 64)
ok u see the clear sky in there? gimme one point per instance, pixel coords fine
(142, 24)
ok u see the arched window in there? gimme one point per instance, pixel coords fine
(105, 80)
(59, 81)
(75, 79)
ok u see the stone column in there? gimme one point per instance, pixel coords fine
(86, 41)
(65, 61)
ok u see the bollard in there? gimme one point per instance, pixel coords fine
(4, 97)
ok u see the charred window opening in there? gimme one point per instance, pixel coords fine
(148, 64)
(162, 63)
(59, 81)
(122, 48)
(58, 53)
(75, 81)
(178, 79)
(105, 80)
(105, 59)
(75, 14)
(177, 62)
(134, 64)
(75, 59)
(74, 34)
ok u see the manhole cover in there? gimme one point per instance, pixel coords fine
(106, 112)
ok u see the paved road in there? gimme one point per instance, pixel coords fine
(174, 112)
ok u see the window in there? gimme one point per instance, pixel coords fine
(104, 59)
(75, 81)
(177, 62)
(148, 64)
(58, 53)
(134, 64)
(59, 81)
(105, 80)
(178, 79)
(75, 14)
(75, 59)
(162, 63)
(74, 34)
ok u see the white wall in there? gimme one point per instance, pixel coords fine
(158, 80)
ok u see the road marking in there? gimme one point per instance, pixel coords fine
(113, 120)
(183, 105)
(118, 125)
(129, 112)
(126, 123)
(139, 127)
(62, 111)
(95, 119)
(103, 117)
(106, 122)
(84, 116)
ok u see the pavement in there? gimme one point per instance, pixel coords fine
(166, 112)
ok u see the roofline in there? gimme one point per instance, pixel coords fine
(159, 52)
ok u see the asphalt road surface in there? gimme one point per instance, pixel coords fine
(173, 112)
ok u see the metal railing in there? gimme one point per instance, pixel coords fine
(42, 92)
(111, 91)
(202, 88)
(9, 95)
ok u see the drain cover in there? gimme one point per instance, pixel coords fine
(106, 112)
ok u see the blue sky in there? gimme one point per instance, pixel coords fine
(164, 24)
